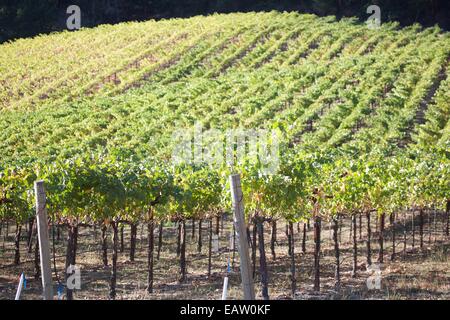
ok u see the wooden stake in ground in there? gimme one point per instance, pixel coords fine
(37, 268)
(369, 234)
(69, 259)
(217, 225)
(404, 232)
(262, 258)
(392, 219)
(121, 238)
(17, 244)
(133, 236)
(183, 251)
(255, 232)
(337, 273)
(233, 246)
(150, 250)
(30, 235)
(160, 235)
(44, 247)
(291, 245)
(304, 238)
(421, 228)
(413, 229)
(286, 232)
(435, 226)
(381, 239)
(317, 231)
(330, 231)
(104, 245)
(113, 278)
(355, 247)
(351, 230)
(360, 226)
(429, 227)
(141, 237)
(178, 238)
(210, 246)
(238, 209)
(447, 223)
(75, 244)
(273, 239)
(199, 243)
(317, 227)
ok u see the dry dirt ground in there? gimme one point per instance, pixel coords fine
(415, 274)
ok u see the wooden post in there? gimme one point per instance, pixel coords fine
(238, 208)
(44, 246)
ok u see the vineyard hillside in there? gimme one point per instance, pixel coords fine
(330, 84)
(141, 124)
